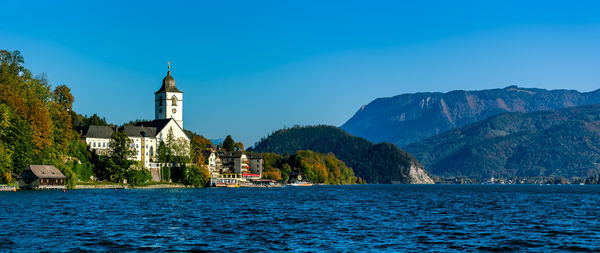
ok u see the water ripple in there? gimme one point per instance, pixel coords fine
(321, 218)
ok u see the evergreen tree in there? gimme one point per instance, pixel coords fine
(229, 143)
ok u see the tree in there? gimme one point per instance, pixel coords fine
(121, 151)
(165, 149)
(239, 146)
(199, 142)
(163, 152)
(180, 149)
(5, 164)
(95, 120)
(197, 176)
(5, 153)
(136, 176)
(229, 143)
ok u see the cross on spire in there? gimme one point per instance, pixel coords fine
(169, 63)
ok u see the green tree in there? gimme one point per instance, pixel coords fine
(135, 176)
(197, 176)
(180, 149)
(120, 151)
(229, 143)
(286, 169)
(162, 152)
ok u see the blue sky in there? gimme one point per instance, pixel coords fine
(248, 68)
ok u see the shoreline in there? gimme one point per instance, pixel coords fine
(118, 186)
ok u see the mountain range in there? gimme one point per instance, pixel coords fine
(409, 118)
(551, 143)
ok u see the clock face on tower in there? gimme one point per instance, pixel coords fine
(174, 110)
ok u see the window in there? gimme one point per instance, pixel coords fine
(160, 101)
(174, 100)
(94, 144)
(104, 145)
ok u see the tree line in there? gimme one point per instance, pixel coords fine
(314, 167)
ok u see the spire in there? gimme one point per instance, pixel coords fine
(168, 84)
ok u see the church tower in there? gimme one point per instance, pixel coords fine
(168, 100)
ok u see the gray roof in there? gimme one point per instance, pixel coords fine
(160, 124)
(94, 131)
(168, 84)
(254, 156)
(140, 131)
(157, 124)
(45, 171)
(234, 154)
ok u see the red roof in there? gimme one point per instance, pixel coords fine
(251, 175)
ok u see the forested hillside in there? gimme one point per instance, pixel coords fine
(555, 143)
(35, 120)
(375, 163)
(315, 167)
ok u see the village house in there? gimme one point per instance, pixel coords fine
(235, 168)
(41, 177)
(256, 163)
(235, 162)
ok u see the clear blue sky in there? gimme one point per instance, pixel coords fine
(248, 68)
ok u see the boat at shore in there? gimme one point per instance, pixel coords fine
(8, 188)
(300, 184)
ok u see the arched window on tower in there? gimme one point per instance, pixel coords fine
(174, 100)
(160, 100)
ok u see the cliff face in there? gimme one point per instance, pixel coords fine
(554, 143)
(418, 175)
(409, 118)
(375, 163)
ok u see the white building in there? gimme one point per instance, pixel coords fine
(235, 162)
(98, 138)
(256, 163)
(143, 143)
(168, 101)
(147, 136)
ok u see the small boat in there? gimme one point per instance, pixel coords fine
(8, 188)
(300, 183)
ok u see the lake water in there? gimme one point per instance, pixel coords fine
(319, 218)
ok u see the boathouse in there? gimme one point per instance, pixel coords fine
(42, 177)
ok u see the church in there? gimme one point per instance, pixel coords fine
(146, 136)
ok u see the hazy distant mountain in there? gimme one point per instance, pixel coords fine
(218, 141)
(409, 118)
(563, 142)
(375, 163)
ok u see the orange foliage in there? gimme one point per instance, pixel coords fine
(272, 174)
(40, 124)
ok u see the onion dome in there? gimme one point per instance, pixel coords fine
(168, 84)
